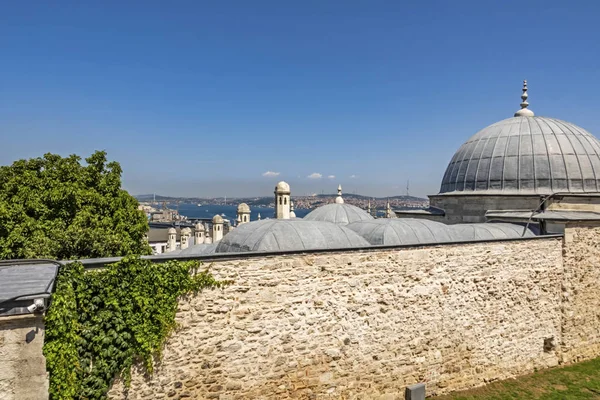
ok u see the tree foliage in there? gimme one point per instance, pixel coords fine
(101, 322)
(59, 208)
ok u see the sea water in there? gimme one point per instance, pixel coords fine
(193, 211)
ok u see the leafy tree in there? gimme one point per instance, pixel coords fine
(59, 208)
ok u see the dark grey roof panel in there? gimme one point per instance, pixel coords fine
(23, 280)
(528, 155)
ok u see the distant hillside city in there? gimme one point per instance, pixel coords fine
(307, 202)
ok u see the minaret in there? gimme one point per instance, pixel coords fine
(339, 199)
(186, 234)
(292, 213)
(217, 228)
(369, 207)
(199, 233)
(282, 200)
(243, 213)
(172, 240)
(388, 211)
(524, 111)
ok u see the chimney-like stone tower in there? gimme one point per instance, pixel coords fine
(243, 213)
(199, 233)
(282, 200)
(217, 228)
(172, 240)
(186, 235)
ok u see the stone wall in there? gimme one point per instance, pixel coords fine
(22, 365)
(472, 208)
(581, 293)
(365, 324)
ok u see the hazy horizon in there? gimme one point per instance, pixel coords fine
(265, 189)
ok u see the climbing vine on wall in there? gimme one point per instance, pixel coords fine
(101, 322)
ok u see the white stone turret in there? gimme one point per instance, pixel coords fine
(186, 235)
(259, 217)
(172, 240)
(199, 233)
(243, 213)
(292, 213)
(217, 228)
(282, 200)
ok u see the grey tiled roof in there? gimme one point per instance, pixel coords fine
(23, 281)
(288, 235)
(338, 214)
(527, 155)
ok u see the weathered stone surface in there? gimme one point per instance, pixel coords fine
(368, 324)
(363, 324)
(22, 365)
(581, 293)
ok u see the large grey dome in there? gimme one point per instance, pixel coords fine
(337, 213)
(288, 235)
(526, 155)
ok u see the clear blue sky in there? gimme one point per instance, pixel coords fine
(199, 98)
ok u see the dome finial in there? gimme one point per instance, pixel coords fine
(524, 111)
(339, 199)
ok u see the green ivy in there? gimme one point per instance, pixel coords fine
(101, 322)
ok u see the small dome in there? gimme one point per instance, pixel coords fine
(199, 227)
(243, 208)
(288, 235)
(526, 155)
(489, 231)
(172, 231)
(338, 213)
(282, 187)
(413, 231)
(186, 231)
(400, 231)
(217, 219)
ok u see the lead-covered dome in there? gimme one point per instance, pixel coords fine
(288, 235)
(526, 155)
(402, 231)
(338, 213)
